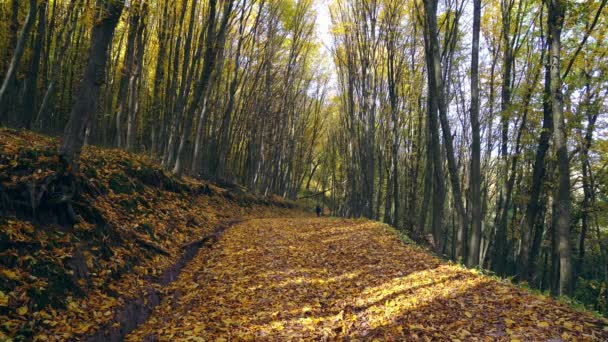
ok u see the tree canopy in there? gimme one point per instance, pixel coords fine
(476, 127)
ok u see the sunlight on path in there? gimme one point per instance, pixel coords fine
(277, 279)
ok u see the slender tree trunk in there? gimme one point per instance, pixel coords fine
(533, 207)
(434, 67)
(428, 183)
(19, 50)
(159, 79)
(476, 214)
(224, 143)
(586, 206)
(64, 44)
(214, 47)
(31, 85)
(202, 89)
(125, 75)
(557, 9)
(437, 96)
(135, 76)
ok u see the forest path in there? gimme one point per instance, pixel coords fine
(310, 278)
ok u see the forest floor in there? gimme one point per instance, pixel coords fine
(319, 279)
(92, 267)
(136, 253)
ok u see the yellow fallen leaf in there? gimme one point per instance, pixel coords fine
(22, 310)
(3, 299)
(83, 328)
(10, 274)
(468, 314)
(277, 326)
(543, 324)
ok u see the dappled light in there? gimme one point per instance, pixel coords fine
(272, 279)
(273, 170)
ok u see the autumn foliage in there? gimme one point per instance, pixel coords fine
(99, 254)
(67, 266)
(337, 279)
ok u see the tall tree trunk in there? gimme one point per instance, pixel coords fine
(64, 43)
(533, 207)
(428, 183)
(224, 143)
(214, 46)
(125, 74)
(557, 9)
(437, 96)
(135, 76)
(202, 89)
(433, 68)
(19, 50)
(476, 215)
(159, 79)
(500, 251)
(586, 206)
(31, 85)
(83, 111)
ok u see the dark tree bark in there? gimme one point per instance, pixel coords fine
(476, 214)
(588, 191)
(31, 86)
(159, 79)
(125, 73)
(135, 77)
(214, 46)
(19, 50)
(59, 56)
(223, 145)
(438, 102)
(533, 208)
(556, 14)
(83, 111)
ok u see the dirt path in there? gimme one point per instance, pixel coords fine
(278, 279)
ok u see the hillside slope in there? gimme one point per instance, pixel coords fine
(75, 253)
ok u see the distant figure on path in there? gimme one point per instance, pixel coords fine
(318, 210)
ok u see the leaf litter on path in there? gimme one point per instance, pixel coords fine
(338, 279)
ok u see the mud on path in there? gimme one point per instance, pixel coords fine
(309, 278)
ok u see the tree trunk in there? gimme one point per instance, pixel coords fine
(135, 76)
(19, 50)
(434, 67)
(476, 215)
(84, 109)
(437, 97)
(556, 14)
(224, 143)
(31, 85)
(214, 46)
(50, 90)
(125, 75)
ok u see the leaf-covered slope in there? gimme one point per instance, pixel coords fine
(71, 253)
(319, 279)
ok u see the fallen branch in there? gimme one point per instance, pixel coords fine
(213, 237)
(153, 247)
(317, 194)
